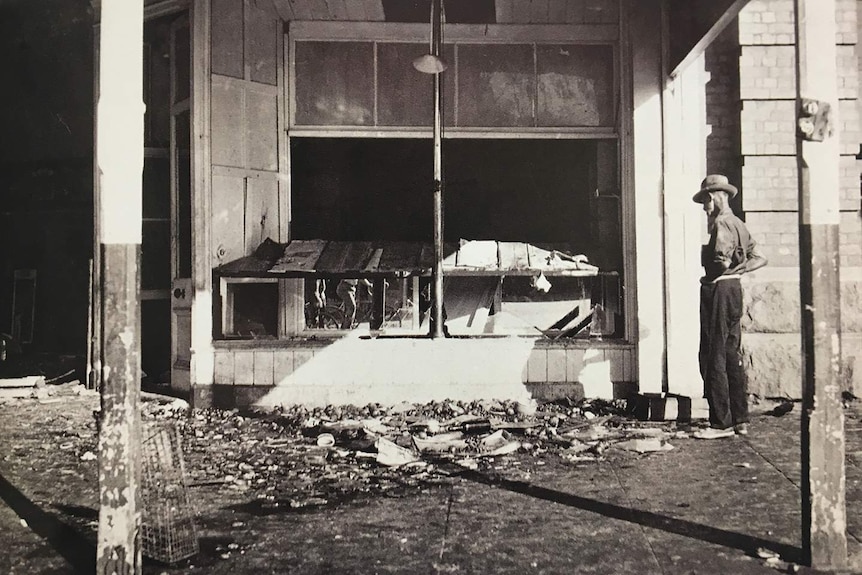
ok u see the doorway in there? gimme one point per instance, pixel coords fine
(166, 241)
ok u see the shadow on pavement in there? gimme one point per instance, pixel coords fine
(68, 542)
(747, 543)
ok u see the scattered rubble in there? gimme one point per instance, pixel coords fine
(296, 458)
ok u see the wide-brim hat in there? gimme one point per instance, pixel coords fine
(714, 183)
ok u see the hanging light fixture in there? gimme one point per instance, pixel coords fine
(432, 62)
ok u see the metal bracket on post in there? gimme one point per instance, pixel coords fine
(814, 120)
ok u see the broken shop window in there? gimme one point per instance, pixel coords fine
(251, 309)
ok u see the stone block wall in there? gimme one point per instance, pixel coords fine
(762, 42)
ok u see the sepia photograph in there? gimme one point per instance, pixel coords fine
(467, 287)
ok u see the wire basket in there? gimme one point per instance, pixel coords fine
(167, 523)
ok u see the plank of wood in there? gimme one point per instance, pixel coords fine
(478, 254)
(227, 38)
(299, 256)
(261, 31)
(261, 127)
(332, 257)
(373, 264)
(400, 256)
(507, 255)
(228, 121)
(244, 267)
(26, 381)
(228, 203)
(345, 258)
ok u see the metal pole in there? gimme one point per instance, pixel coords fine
(824, 520)
(436, 40)
(120, 153)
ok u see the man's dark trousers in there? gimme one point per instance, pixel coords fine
(720, 355)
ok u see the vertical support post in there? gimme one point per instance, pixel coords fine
(824, 520)
(120, 153)
(89, 381)
(437, 40)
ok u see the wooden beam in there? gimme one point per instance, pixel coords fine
(824, 516)
(485, 33)
(710, 36)
(120, 157)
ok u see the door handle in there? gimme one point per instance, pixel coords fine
(180, 293)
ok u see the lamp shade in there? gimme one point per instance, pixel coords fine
(429, 64)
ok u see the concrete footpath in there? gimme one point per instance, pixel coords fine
(728, 506)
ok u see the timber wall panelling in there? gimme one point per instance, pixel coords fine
(244, 124)
(245, 127)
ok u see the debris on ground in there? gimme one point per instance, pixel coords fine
(781, 409)
(298, 457)
(18, 387)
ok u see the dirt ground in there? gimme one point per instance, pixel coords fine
(572, 488)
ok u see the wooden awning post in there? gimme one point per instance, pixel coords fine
(824, 520)
(120, 157)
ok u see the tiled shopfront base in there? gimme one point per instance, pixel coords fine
(387, 371)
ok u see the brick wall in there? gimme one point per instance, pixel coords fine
(721, 61)
(762, 44)
(768, 142)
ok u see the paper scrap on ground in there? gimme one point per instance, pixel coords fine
(644, 445)
(392, 455)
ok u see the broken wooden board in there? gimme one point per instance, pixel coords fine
(513, 256)
(400, 257)
(344, 258)
(358, 259)
(477, 254)
(299, 256)
(28, 381)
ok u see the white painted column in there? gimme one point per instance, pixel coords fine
(645, 40)
(685, 224)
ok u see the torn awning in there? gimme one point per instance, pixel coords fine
(303, 258)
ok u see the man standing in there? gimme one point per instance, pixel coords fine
(730, 253)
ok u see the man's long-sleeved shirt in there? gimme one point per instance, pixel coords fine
(730, 247)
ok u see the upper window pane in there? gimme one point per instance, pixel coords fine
(405, 93)
(496, 85)
(335, 83)
(575, 85)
